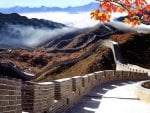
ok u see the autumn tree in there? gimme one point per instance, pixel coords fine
(138, 11)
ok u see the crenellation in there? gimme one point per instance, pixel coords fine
(75, 81)
(86, 82)
(99, 76)
(27, 96)
(95, 80)
(56, 96)
(79, 86)
(64, 92)
(83, 82)
(91, 79)
(104, 78)
(109, 74)
(57, 92)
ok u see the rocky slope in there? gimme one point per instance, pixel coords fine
(135, 48)
(81, 54)
(57, 56)
(27, 33)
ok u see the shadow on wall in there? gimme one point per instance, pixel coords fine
(60, 95)
(90, 102)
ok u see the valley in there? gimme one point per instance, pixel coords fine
(79, 54)
(74, 56)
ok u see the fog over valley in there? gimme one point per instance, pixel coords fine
(78, 20)
(83, 19)
(17, 35)
(27, 36)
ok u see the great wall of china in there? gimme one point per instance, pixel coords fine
(59, 95)
(56, 96)
(120, 63)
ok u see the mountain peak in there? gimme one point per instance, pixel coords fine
(19, 9)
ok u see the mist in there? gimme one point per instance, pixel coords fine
(18, 36)
(27, 36)
(78, 20)
(82, 20)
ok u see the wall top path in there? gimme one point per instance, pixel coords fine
(120, 65)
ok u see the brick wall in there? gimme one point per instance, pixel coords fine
(67, 92)
(10, 95)
(56, 96)
(37, 98)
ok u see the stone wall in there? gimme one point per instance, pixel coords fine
(62, 94)
(56, 96)
(10, 95)
(120, 63)
(142, 92)
(131, 67)
(37, 97)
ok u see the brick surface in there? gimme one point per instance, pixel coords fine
(56, 96)
(9, 91)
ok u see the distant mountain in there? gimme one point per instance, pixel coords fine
(16, 19)
(19, 31)
(18, 9)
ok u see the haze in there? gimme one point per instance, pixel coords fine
(82, 20)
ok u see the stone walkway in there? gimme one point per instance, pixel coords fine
(115, 97)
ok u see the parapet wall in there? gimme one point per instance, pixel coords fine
(10, 95)
(62, 94)
(56, 96)
(131, 67)
(120, 63)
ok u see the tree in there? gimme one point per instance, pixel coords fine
(138, 11)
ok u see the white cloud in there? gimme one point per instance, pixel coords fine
(31, 37)
(27, 36)
(80, 20)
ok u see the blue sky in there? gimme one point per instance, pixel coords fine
(37, 3)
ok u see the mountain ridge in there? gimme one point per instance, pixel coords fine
(69, 9)
(26, 33)
(16, 19)
(48, 65)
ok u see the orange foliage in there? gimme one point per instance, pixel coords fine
(137, 11)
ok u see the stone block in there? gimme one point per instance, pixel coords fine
(91, 79)
(86, 80)
(126, 75)
(37, 98)
(9, 91)
(119, 75)
(109, 75)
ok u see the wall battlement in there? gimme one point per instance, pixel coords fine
(56, 96)
(120, 62)
(10, 95)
